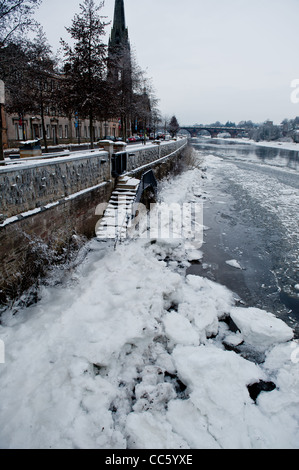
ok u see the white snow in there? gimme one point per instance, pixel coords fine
(273, 144)
(259, 328)
(218, 389)
(129, 353)
(234, 263)
(194, 255)
(179, 330)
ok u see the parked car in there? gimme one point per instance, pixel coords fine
(160, 136)
(131, 139)
(109, 137)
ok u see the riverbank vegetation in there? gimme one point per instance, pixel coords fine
(287, 130)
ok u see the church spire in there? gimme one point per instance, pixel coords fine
(119, 34)
(119, 65)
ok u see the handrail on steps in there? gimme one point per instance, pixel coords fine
(147, 180)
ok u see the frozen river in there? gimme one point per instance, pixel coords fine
(251, 200)
(126, 351)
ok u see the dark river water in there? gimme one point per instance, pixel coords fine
(251, 196)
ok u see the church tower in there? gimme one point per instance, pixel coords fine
(119, 34)
(119, 67)
(119, 50)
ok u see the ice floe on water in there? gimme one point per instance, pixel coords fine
(234, 263)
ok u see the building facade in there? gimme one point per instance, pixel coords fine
(59, 129)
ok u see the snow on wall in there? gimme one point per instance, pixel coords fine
(25, 186)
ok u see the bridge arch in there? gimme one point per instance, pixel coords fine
(213, 131)
(187, 131)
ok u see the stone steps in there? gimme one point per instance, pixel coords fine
(119, 210)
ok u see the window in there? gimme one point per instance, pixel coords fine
(18, 132)
(48, 130)
(60, 132)
(66, 131)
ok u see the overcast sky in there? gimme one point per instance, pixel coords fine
(209, 59)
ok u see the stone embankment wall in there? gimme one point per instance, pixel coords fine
(152, 154)
(46, 206)
(24, 187)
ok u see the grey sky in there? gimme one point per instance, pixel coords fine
(209, 60)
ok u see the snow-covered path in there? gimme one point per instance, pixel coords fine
(134, 354)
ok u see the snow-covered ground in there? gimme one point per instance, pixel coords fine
(132, 353)
(283, 144)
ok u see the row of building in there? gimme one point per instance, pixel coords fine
(59, 130)
(64, 130)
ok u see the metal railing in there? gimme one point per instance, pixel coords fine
(147, 180)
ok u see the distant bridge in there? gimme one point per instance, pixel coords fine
(214, 131)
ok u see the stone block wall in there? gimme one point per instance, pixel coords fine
(147, 155)
(26, 187)
(30, 245)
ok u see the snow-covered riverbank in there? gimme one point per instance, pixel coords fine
(277, 144)
(131, 353)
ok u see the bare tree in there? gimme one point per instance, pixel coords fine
(28, 70)
(144, 107)
(14, 71)
(16, 16)
(43, 77)
(165, 122)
